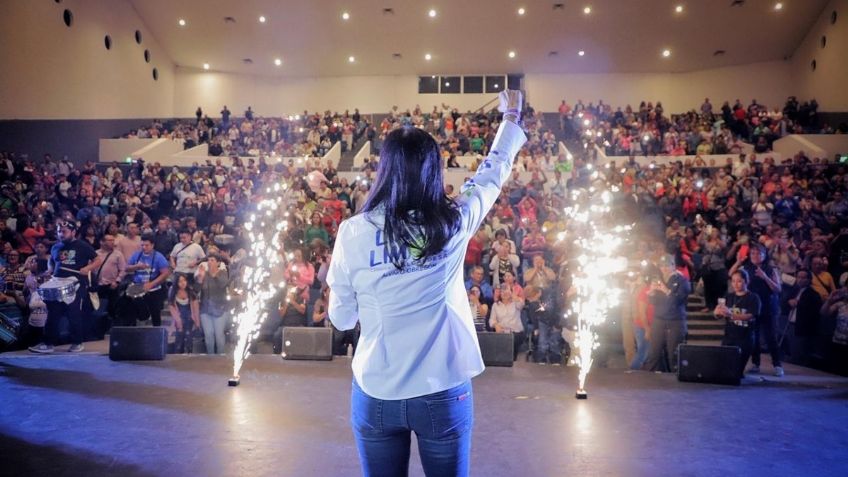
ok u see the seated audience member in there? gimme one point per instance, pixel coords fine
(506, 318)
(475, 278)
(479, 310)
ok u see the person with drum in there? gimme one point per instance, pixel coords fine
(150, 270)
(71, 260)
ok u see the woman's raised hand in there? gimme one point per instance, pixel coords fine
(510, 101)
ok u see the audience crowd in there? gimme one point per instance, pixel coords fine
(650, 130)
(713, 221)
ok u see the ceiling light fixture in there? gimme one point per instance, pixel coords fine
(678, 9)
(205, 66)
(666, 53)
(262, 18)
(432, 13)
(511, 54)
(587, 10)
(351, 59)
(278, 62)
(345, 16)
(428, 57)
(522, 11)
(778, 6)
(182, 22)
(581, 53)
(447, 83)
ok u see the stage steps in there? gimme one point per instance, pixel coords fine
(703, 328)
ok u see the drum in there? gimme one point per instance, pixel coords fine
(135, 290)
(62, 289)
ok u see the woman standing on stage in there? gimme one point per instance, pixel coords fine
(397, 269)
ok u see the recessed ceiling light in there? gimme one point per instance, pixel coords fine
(511, 54)
(581, 53)
(351, 59)
(182, 22)
(345, 16)
(278, 62)
(587, 10)
(205, 66)
(678, 9)
(428, 57)
(262, 18)
(666, 53)
(778, 6)
(432, 13)
(522, 11)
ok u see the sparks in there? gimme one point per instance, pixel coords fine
(593, 287)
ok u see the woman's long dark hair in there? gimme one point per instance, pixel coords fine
(410, 191)
(172, 293)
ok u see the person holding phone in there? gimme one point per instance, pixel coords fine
(764, 281)
(740, 309)
(397, 269)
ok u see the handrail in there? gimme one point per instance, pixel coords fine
(481, 108)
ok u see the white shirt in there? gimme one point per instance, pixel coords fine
(507, 315)
(418, 335)
(187, 257)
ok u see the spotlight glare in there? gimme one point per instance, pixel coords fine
(581, 53)
(278, 62)
(511, 54)
(432, 13)
(587, 10)
(428, 57)
(778, 6)
(205, 66)
(521, 11)
(666, 53)
(678, 9)
(262, 19)
(345, 16)
(351, 59)
(182, 22)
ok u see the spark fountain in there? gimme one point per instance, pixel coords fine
(264, 228)
(594, 289)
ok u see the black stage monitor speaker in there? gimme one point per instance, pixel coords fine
(709, 364)
(307, 343)
(131, 343)
(496, 348)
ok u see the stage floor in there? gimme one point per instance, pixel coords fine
(83, 415)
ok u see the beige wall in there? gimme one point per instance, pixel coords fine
(827, 84)
(283, 96)
(769, 83)
(51, 71)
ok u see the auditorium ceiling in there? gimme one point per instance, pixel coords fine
(393, 37)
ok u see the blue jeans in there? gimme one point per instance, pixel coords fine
(547, 347)
(213, 332)
(641, 348)
(442, 423)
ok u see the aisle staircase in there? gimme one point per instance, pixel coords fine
(346, 162)
(704, 328)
